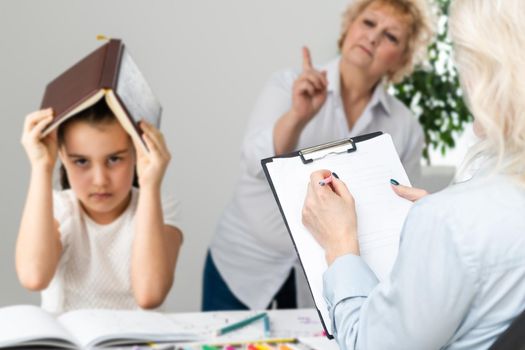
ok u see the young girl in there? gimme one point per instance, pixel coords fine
(97, 243)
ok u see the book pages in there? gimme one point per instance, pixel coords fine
(104, 328)
(29, 325)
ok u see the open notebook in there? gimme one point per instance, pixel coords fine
(29, 326)
(366, 164)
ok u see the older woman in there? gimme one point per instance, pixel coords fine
(459, 279)
(252, 258)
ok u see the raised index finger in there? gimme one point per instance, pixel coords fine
(307, 59)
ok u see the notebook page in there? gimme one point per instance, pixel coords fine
(118, 327)
(29, 324)
(381, 213)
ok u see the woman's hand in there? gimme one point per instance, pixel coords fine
(42, 152)
(411, 193)
(329, 214)
(151, 165)
(309, 91)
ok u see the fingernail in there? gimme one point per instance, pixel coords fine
(394, 182)
(334, 174)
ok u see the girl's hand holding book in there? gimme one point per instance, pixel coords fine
(42, 152)
(152, 165)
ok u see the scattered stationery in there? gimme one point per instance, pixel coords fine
(267, 328)
(258, 341)
(283, 326)
(366, 164)
(243, 323)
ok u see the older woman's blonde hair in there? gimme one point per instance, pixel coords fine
(489, 44)
(421, 29)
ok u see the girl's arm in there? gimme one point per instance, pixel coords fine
(38, 248)
(156, 245)
(155, 251)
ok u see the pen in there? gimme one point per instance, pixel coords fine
(209, 347)
(328, 179)
(288, 347)
(156, 346)
(276, 340)
(263, 347)
(267, 327)
(325, 181)
(260, 341)
(285, 347)
(243, 323)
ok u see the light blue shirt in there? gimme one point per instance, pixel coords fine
(458, 281)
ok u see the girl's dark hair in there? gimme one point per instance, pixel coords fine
(97, 114)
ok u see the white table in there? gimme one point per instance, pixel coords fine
(302, 324)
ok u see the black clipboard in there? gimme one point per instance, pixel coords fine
(307, 156)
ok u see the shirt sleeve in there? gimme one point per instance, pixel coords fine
(273, 102)
(171, 211)
(420, 306)
(63, 213)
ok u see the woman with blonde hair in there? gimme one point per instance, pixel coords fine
(459, 279)
(381, 41)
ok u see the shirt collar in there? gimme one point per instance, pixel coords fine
(379, 96)
(333, 76)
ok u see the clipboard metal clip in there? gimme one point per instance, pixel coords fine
(308, 155)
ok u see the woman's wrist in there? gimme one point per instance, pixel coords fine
(286, 132)
(296, 120)
(343, 247)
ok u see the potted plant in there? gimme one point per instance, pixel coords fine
(434, 94)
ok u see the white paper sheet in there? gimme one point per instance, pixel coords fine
(380, 212)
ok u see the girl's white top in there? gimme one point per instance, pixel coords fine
(95, 267)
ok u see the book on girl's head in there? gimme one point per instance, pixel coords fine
(107, 73)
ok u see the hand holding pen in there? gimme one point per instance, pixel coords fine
(329, 214)
(328, 179)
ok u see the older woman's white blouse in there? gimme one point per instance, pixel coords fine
(251, 246)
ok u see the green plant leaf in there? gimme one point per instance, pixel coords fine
(434, 94)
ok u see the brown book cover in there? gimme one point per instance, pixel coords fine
(109, 72)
